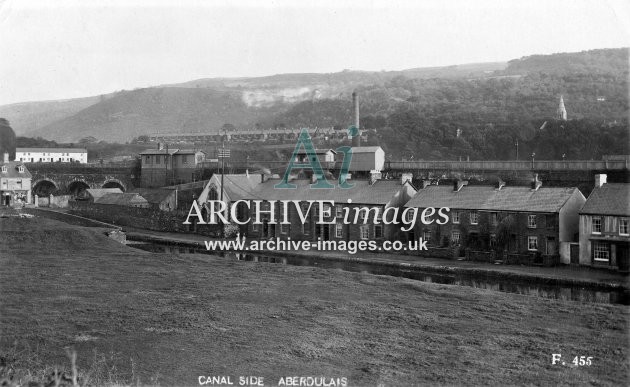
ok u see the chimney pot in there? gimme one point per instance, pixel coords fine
(600, 179)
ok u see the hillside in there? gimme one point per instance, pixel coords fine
(513, 95)
(27, 117)
(153, 110)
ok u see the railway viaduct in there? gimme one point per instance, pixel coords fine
(64, 179)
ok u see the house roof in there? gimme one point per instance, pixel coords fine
(189, 152)
(170, 151)
(159, 151)
(52, 150)
(365, 149)
(121, 199)
(12, 170)
(318, 151)
(240, 186)
(489, 198)
(381, 192)
(100, 192)
(609, 199)
(154, 195)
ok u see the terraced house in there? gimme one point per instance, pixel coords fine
(372, 196)
(604, 226)
(534, 222)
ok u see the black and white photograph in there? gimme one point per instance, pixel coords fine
(334, 193)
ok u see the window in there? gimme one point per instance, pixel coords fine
(493, 240)
(306, 228)
(494, 218)
(623, 226)
(339, 230)
(455, 217)
(474, 217)
(284, 228)
(426, 235)
(455, 237)
(185, 159)
(378, 231)
(338, 211)
(213, 194)
(531, 221)
(254, 227)
(409, 216)
(601, 251)
(4, 169)
(597, 225)
(21, 169)
(365, 231)
(532, 243)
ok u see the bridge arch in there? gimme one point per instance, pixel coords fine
(114, 183)
(77, 188)
(45, 187)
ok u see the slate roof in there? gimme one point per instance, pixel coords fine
(238, 187)
(154, 195)
(318, 151)
(122, 199)
(170, 151)
(158, 151)
(12, 170)
(489, 198)
(609, 199)
(100, 192)
(52, 150)
(380, 193)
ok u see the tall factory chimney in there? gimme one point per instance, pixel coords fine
(356, 140)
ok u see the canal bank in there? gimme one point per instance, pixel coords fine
(562, 275)
(598, 279)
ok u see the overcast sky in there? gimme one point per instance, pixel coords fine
(67, 49)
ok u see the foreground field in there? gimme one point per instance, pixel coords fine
(169, 319)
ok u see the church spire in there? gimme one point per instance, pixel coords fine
(562, 112)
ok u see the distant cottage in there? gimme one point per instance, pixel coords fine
(51, 155)
(163, 166)
(15, 182)
(605, 227)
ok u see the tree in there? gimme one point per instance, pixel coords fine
(7, 139)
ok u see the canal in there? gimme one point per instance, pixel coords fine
(480, 281)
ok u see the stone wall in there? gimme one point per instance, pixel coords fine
(145, 218)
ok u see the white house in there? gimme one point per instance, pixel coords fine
(51, 155)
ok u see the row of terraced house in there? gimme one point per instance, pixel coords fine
(513, 224)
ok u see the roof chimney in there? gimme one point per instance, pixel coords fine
(160, 146)
(536, 183)
(356, 140)
(600, 179)
(374, 176)
(426, 183)
(5, 157)
(406, 177)
(458, 184)
(501, 184)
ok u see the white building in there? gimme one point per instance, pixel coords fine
(51, 155)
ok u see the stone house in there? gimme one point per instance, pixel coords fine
(604, 226)
(537, 221)
(15, 182)
(163, 166)
(374, 195)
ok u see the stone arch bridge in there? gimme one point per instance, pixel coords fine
(73, 179)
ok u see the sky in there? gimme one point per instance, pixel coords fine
(71, 48)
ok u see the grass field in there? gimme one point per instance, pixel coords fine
(162, 319)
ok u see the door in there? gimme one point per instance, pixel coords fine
(575, 254)
(551, 246)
